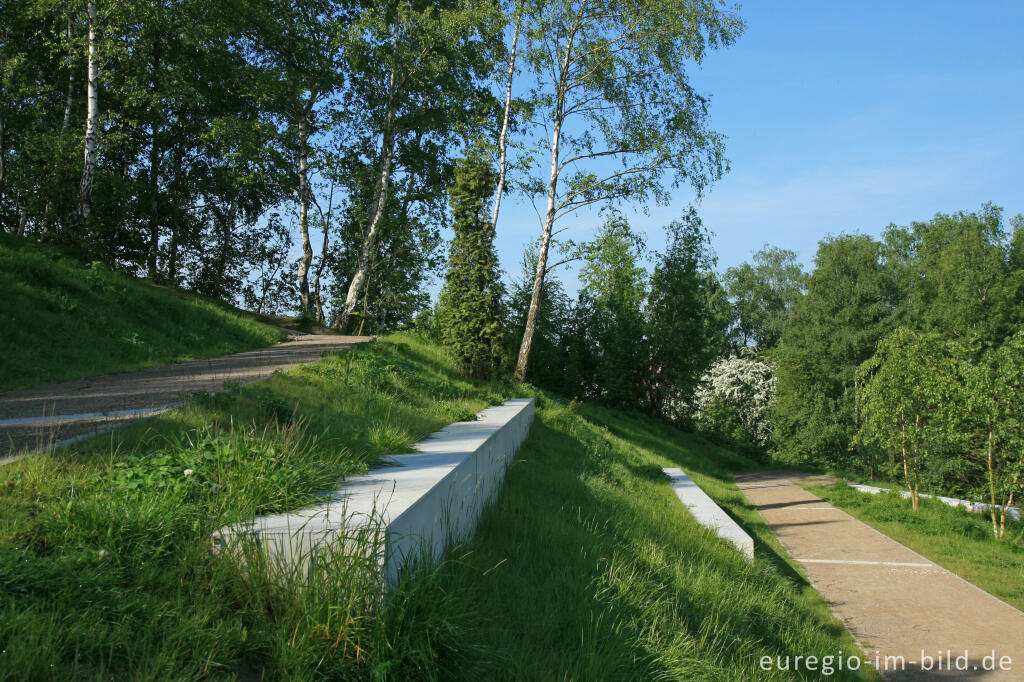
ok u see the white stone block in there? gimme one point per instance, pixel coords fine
(414, 505)
(707, 513)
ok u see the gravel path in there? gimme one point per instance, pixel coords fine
(893, 600)
(39, 417)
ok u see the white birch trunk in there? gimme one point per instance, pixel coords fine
(307, 249)
(91, 120)
(542, 258)
(387, 152)
(503, 137)
(549, 219)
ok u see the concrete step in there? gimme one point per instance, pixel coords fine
(412, 506)
(707, 513)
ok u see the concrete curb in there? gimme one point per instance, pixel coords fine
(412, 507)
(979, 507)
(707, 513)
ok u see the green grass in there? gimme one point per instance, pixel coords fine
(62, 320)
(956, 539)
(586, 567)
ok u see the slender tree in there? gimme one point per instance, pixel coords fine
(613, 95)
(92, 116)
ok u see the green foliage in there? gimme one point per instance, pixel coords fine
(60, 320)
(911, 401)
(687, 315)
(764, 295)
(956, 275)
(834, 328)
(471, 300)
(955, 278)
(610, 309)
(560, 333)
(721, 418)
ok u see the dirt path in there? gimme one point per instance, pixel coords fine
(894, 601)
(36, 417)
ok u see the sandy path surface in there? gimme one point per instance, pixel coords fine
(895, 602)
(35, 417)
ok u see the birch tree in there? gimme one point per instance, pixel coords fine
(303, 44)
(92, 116)
(615, 104)
(503, 135)
(995, 389)
(419, 69)
(912, 401)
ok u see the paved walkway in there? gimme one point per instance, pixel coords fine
(34, 418)
(893, 600)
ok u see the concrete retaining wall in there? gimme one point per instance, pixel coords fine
(413, 506)
(707, 513)
(1011, 512)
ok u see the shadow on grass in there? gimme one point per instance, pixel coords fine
(587, 567)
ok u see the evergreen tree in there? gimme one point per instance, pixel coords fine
(471, 300)
(617, 285)
(687, 315)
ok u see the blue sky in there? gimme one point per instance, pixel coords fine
(846, 116)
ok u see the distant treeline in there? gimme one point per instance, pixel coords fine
(898, 358)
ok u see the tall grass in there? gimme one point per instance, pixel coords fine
(589, 568)
(61, 319)
(105, 563)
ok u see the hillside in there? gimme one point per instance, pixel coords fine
(61, 319)
(586, 567)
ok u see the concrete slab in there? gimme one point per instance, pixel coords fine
(707, 513)
(412, 506)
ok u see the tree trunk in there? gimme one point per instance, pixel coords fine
(992, 483)
(154, 172)
(307, 249)
(3, 148)
(175, 223)
(91, 120)
(549, 220)
(903, 448)
(916, 492)
(387, 152)
(57, 179)
(542, 258)
(502, 138)
(318, 300)
(1007, 505)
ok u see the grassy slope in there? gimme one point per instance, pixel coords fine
(104, 568)
(587, 567)
(60, 320)
(953, 538)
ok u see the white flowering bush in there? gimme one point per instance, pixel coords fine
(734, 398)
